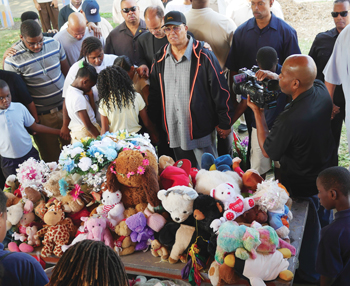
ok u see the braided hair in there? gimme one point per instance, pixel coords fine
(89, 45)
(89, 262)
(115, 87)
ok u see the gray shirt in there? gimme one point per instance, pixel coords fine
(177, 88)
(41, 72)
(71, 45)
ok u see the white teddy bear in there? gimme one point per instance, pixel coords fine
(113, 207)
(234, 204)
(178, 201)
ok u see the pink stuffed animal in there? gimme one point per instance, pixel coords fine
(98, 230)
(32, 239)
(234, 204)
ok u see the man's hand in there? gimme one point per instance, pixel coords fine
(143, 71)
(207, 46)
(54, 3)
(9, 53)
(335, 111)
(93, 27)
(252, 105)
(37, 5)
(223, 133)
(65, 133)
(53, 31)
(264, 74)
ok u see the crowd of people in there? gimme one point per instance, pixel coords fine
(168, 69)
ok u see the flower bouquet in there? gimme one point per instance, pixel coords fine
(240, 148)
(90, 156)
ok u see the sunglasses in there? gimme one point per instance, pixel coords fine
(176, 29)
(127, 10)
(342, 13)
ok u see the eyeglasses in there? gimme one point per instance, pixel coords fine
(127, 10)
(342, 13)
(176, 29)
(33, 45)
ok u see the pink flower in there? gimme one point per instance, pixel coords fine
(126, 149)
(130, 174)
(145, 162)
(32, 174)
(137, 147)
(112, 170)
(76, 192)
(140, 170)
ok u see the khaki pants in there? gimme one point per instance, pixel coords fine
(48, 16)
(50, 145)
(76, 136)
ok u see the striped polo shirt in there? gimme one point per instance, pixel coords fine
(41, 72)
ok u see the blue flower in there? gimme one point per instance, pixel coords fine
(68, 165)
(63, 186)
(77, 144)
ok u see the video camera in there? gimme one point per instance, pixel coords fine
(262, 93)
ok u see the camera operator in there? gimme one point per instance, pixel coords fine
(302, 141)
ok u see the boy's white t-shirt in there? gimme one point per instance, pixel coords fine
(15, 141)
(126, 118)
(76, 101)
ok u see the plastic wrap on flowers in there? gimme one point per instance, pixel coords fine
(90, 156)
(33, 173)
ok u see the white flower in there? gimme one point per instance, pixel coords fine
(97, 154)
(94, 167)
(100, 159)
(85, 163)
(75, 151)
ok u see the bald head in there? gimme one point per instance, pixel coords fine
(76, 25)
(302, 68)
(297, 75)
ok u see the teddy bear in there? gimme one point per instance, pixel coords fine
(159, 250)
(82, 234)
(51, 186)
(112, 207)
(208, 180)
(205, 210)
(25, 221)
(14, 214)
(234, 204)
(97, 229)
(123, 245)
(239, 238)
(74, 208)
(140, 232)
(11, 184)
(263, 268)
(135, 174)
(178, 201)
(56, 231)
(254, 214)
(163, 162)
(272, 197)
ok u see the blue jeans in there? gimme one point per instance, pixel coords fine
(309, 245)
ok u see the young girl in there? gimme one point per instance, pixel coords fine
(120, 105)
(80, 104)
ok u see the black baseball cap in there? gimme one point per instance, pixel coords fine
(174, 18)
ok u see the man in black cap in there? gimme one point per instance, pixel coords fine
(188, 93)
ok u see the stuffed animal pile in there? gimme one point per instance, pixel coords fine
(114, 189)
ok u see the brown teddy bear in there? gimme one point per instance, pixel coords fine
(56, 231)
(159, 250)
(51, 186)
(11, 199)
(135, 174)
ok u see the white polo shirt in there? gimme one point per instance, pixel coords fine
(15, 141)
(77, 101)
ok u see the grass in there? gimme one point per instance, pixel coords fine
(9, 37)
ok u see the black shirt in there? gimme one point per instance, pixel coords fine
(148, 46)
(18, 89)
(63, 15)
(302, 141)
(121, 41)
(320, 51)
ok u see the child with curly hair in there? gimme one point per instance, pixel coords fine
(120, 105)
